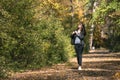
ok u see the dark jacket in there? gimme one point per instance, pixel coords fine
(81, 37)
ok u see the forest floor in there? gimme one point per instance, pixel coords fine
(97, 65)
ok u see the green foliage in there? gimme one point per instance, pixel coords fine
(29, 40)
(29, 43)
(111, 11)
(52, 44)
(113, 42)
(3, 68)
(17, 34)
(53, 41)
(106, 18)
(97, 41)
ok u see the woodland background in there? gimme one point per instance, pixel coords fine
(36, 33)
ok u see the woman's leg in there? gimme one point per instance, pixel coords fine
(79, 50)
(80, 55)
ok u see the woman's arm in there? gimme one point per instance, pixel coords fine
(73, 34)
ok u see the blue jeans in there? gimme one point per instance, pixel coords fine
(79, 51)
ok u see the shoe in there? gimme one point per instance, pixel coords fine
(79, 68)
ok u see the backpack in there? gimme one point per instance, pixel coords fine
(72, 41)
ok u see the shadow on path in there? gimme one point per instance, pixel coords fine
(95, 67)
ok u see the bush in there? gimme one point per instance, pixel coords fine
(27, 44)
(3, 68)
(52, 43)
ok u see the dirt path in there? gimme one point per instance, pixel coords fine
(96, 66)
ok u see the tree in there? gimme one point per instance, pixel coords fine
(107, 16)
(27, 40)
(17, 32)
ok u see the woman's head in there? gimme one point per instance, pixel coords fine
(82, 28)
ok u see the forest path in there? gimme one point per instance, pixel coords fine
(98, 65)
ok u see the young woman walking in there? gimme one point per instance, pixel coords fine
(78, 38)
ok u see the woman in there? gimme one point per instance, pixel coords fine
(78, 37)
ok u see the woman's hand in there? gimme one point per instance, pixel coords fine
(73, 32)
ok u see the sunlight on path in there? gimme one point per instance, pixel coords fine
(95, 67)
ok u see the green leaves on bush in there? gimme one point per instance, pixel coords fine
(26, 42)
